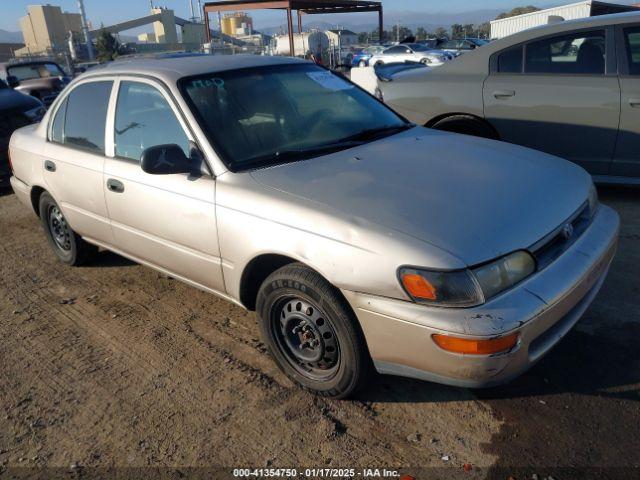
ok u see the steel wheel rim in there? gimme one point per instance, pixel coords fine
(306, 338)
(59, 229)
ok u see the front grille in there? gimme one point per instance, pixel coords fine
(558, 241)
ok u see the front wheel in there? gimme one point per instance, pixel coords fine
(312, 333)
(68, 246)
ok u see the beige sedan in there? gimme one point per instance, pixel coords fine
(571, 89)
(361, 240)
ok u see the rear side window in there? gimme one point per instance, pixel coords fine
(576, 53)
(510, 61)
(632, 40)
(85, 117)
(57, 131)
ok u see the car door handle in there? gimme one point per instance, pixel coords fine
(49, 166)
(504, 94)
(115, 185)
(634, 102)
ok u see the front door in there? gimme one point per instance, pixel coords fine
(73, 158)
(627, 158)
(164, 220)
(563, 99)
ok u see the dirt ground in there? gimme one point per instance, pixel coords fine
(112, 368)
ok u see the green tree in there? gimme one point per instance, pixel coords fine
(399, 33)
(484, 30)
(363, 37)
(517, 11)
(441, 33)
(421, 34)
(375, 36)
(107, 46)
(457, 31)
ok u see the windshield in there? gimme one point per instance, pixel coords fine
(268, 115)
(41, 70)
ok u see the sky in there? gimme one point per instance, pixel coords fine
(112, 11)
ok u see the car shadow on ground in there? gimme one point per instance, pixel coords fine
(581, 363)
(107, 259)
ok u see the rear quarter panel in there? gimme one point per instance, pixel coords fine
(26, 148)
(423, 96)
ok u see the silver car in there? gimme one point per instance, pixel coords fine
(571, 89)
(359, 239)
(410, 52)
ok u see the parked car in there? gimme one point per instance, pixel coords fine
(357, 237)
(43, 80)
(361, 58)
(570, 89)
(460, 46)
(16, 110)
(410, 52)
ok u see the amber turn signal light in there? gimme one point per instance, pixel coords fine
(418, 286)
(471, 346)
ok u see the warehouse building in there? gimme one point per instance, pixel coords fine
(589, 8)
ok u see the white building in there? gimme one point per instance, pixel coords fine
(588, 8)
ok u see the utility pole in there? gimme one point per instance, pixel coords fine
(192, 17)
(85, 30)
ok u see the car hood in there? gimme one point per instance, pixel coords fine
(474, 198)
(11, 99)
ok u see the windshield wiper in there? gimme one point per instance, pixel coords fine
(295, 154)
(378, 132)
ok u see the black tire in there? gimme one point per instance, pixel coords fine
(66, 244)
(466, 125)
(335, 362)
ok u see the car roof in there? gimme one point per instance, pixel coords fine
(173, 67)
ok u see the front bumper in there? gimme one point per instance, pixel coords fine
(542, 309)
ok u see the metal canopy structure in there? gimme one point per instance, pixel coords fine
(302, 7)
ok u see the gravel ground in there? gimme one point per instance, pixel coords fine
(111, 368)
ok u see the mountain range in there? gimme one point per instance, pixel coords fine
(10, 37)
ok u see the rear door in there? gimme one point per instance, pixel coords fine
(560, 95)
(627, 157)
(73, 159)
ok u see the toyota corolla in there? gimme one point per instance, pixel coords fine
(362, 241)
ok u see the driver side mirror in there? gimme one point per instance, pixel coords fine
(167, 160)
(12, 81)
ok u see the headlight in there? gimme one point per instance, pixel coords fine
(35, 114)
(444, 289)
(466, 288)
(504, 273)
(593, 201)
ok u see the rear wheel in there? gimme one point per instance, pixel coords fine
(362, 64)
(312, 333)
(466, 125)
(68, 246)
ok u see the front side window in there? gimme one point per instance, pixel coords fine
(632, 40)
(145, 119)
(396, 50)
(510, 60)
(268, 115)
(85, 114)
(577, 53)
(38, 70)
